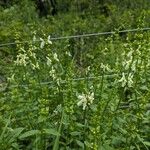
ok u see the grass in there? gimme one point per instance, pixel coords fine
(81, 97)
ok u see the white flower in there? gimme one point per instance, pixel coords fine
(52, 73)
(42, 43)
(127, 64)
(21, 59)
(123, 80)
(105, 67)
(32, 54)
(88, 69)
(49, 62)
(68, 53)
(85, 100)
(34, 38)
(130, 80)
(58, 81)
(129, 55)
(133, 67)
(125, 45)
(56, 57)
(35, 66)
(12, 78)
(49, 40)
(126, 80)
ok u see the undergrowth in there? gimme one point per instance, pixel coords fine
(78, 98)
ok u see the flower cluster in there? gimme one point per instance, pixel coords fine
(126, 80)
(50, 63)
(42, 44)
(129, 66)
(85, 100)
(35, 66)
(105, 67)
(55, 57)
(21, 59)
(129, 62)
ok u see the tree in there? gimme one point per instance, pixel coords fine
(46, 7)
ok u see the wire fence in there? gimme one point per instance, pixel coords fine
(79, 36)
(65, 81)
(6, 85)
(69, 37)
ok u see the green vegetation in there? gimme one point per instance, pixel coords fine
(88, 93)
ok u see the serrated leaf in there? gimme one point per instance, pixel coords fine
(16, 132)
(51, 131)
(29, 133)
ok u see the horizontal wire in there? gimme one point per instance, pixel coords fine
(64, 81)
(74, 36)
(79, 36)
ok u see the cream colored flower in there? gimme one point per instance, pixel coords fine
(123, 80)
(32, 54)
(85, 100)
(12, 78)
(22, 59)
(49, 40)
(105, 67)
(42, 43)
(126, 80)
(52, 73)
(34, 38)
(56, 57)
(35, 66)
(130, 80)
(49, 62)
(68, 53)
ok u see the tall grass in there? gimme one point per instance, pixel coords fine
(90, 99)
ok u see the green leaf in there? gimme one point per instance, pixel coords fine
(15, 146)
(80, 125)
(123, 131)
(5, 128)
(81, 144)
(75, 133)
(147, 143)
(106, 147)
(144, 88)
(51, 131)
(29, 133)
(16, 132)
(56, 143)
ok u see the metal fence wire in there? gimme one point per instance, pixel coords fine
(33, 103)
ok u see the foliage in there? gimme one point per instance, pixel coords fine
(82, 93)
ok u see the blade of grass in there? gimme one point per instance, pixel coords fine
(56, 143)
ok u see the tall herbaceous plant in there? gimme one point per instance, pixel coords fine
(80, 97)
